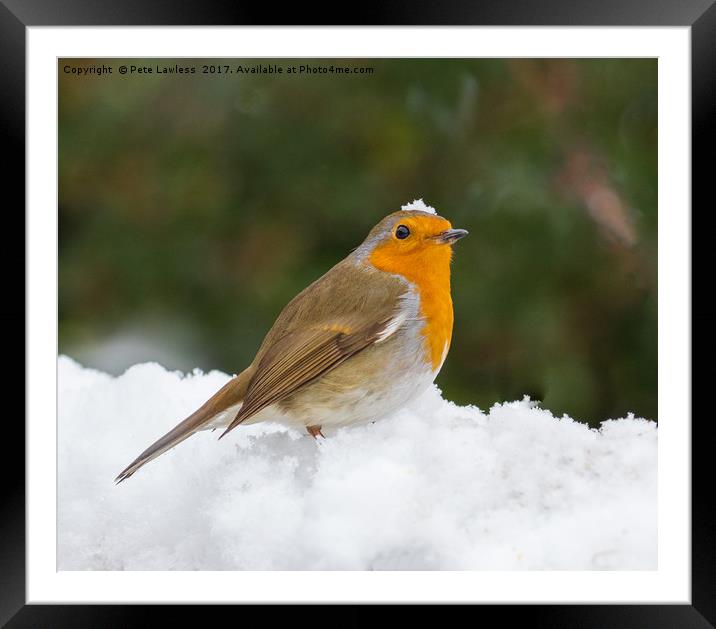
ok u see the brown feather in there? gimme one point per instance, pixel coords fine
(229, 395)
(299, 358)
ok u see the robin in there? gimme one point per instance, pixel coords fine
(357, 344)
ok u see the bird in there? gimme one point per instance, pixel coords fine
(357, 344)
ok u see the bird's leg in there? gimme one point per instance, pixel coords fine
(314, 431)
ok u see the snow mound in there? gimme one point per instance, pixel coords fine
(418, 204)
(435, 486)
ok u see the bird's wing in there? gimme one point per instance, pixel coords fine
(301, 357)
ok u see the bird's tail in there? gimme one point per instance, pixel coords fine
(230, 395)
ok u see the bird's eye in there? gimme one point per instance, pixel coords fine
(402, 232)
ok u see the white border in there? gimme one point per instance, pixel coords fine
(670, 583)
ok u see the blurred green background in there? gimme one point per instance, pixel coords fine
(193, 207)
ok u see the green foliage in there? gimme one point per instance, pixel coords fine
(193, 207)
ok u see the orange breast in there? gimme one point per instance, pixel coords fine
(429, 270)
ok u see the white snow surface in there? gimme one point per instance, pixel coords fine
(432, 487)
(418, 204)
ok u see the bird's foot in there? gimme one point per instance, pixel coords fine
(314, 431)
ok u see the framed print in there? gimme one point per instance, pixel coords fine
(429, 278)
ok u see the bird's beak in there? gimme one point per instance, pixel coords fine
(449, 236)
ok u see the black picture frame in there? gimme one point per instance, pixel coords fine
(17, 15)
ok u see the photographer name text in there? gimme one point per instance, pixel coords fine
(215, 69)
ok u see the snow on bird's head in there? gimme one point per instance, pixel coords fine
(418, 205)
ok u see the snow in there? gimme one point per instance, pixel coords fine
(418, 204)
(435, 486)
